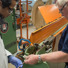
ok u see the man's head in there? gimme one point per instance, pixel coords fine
(5, 6)
(63, 7)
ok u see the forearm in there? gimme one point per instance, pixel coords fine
(58, 56)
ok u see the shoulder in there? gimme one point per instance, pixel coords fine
(66, 29)
(65, 32)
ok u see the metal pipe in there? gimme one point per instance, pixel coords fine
(21, 30)
(20, 9)
(20, 17)
(27, 6)
(27, 15)
(27, 30)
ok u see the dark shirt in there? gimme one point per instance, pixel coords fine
(63, 43)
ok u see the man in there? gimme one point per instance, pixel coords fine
(62, 54)
(5, 8)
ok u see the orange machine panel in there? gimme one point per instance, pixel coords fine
(50, 12)
(46, 31)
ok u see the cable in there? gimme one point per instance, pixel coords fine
(23, 40)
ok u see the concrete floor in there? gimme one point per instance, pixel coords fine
(24, 32)
(11, 66)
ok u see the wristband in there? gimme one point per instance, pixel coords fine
(39, 59)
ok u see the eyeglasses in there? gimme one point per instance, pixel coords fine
(62, 8)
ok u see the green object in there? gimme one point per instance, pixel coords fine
(41, 50)
(9, 38)
(38, 65)
(31, 50)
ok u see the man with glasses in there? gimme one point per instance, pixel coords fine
(6, 6)
(62, 54)
(63, 7)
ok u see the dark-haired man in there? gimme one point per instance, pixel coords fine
(6, 6)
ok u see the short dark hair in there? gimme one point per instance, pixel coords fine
(6, 3)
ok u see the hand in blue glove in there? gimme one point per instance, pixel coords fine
(15, 61)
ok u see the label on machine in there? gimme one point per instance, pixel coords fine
(4, 27)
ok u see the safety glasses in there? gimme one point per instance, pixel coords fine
(65, 5)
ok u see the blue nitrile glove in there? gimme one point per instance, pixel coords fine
(15, 61)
